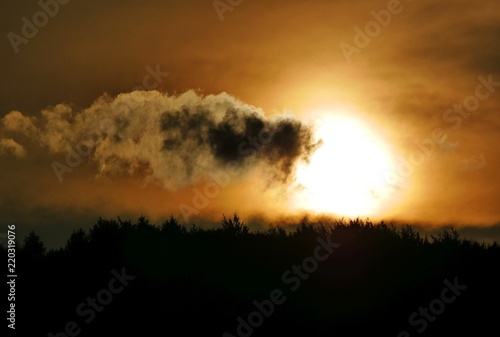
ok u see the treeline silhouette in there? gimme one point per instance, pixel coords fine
(197, 282)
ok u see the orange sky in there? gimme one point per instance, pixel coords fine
(280, 58)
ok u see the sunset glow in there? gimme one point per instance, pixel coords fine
(346, 174)
(250, 168)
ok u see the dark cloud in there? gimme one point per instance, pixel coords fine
(242, 135)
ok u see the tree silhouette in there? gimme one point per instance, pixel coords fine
(33, 247)
(234, 226)
(78, 241)
(171, 227)
(201, 280)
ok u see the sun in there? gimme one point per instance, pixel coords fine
(345, 176)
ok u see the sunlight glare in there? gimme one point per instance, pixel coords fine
(345, 175)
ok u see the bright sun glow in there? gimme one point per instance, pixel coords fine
(346, 174)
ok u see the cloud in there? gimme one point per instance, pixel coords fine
(9, 146)
(173, 140)
(15, 121)
(236, 133)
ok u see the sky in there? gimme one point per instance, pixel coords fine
(272, 109)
